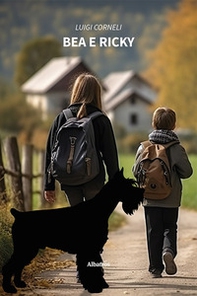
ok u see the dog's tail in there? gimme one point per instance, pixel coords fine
(14, 212)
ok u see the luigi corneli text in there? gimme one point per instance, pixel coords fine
(98, 27)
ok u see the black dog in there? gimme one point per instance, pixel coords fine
(80, 230)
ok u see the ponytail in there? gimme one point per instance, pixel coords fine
(82, 111)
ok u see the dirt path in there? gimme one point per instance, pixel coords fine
(126, 263)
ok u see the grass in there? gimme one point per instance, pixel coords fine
(189, 199)
(189, 195)
(116, 220)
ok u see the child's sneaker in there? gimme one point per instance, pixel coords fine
(170, 266)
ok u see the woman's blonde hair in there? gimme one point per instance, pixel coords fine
(86, 90)
(164, 118)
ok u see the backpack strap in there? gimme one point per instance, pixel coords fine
(170, 144)
(146, 143)
(166, 145)
(68, 113)
(71, 155)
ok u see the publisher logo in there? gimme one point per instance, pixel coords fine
(97, 264)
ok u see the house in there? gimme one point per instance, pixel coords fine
(126, 95)
(127, 101)
(48, 89)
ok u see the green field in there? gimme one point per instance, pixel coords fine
(189, 197)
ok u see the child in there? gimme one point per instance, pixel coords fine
(85, 99)
(161, 215)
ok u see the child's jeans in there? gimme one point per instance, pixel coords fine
(161, 231)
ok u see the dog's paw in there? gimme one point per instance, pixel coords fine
(20, 284)
(98, 288)
(9, 289)
(95, 290)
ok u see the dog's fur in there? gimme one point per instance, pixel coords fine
(80, 230)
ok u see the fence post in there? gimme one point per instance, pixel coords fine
(3, 196)
(13, 160)
(27, 174)
(41, 161)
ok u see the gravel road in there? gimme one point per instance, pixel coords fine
(126, 264)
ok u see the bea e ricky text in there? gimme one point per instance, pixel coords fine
(100, 41)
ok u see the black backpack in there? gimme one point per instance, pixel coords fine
(74, 158)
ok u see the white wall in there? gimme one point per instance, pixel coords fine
(122, 116)
(50, 103)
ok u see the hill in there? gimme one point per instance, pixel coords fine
(21, 21)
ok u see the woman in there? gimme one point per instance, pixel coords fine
(85, 99)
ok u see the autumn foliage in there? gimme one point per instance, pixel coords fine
(173, 64)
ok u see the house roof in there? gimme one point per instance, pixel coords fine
(123, 96)
(49, 75)
(120, 88)
(115, 82)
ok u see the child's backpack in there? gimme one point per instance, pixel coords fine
(154, 171)
(74, 158)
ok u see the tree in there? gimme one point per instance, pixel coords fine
(34, 55)
(17, 116)
(173, 64)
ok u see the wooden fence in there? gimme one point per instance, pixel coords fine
(21, 174)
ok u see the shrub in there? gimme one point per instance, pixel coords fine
(131, 142)
(188, 141)
(6, 246)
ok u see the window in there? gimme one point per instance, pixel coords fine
(134, 119)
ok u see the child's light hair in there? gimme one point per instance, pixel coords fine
(164, 118)
(86, 90)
